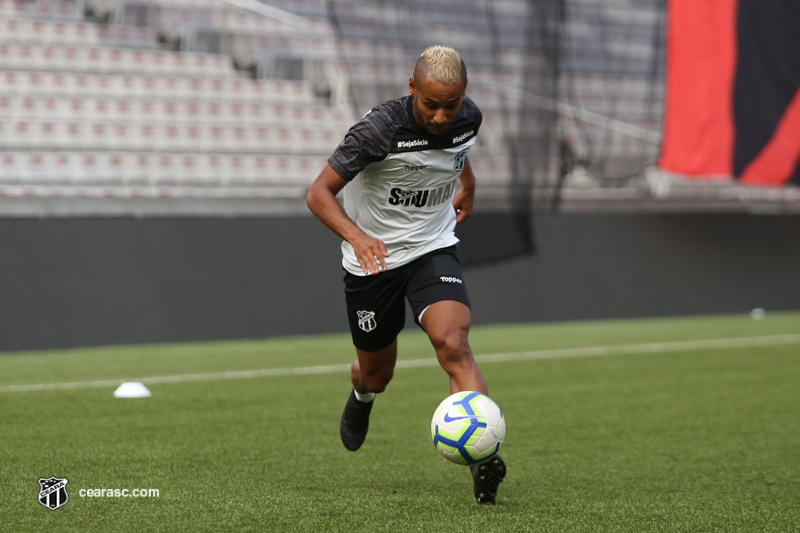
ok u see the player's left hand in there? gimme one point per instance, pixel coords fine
(462, 203)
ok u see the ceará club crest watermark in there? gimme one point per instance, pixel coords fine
(53, 492)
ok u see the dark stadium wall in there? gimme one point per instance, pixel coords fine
(81, 282)
(610, 266)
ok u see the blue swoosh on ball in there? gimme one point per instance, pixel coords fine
(448, 418)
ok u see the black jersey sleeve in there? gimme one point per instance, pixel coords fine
(369, 140)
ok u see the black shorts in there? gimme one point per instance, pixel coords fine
(375, 306)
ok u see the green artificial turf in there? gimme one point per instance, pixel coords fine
(690, 440)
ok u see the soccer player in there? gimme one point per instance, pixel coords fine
(401, 164)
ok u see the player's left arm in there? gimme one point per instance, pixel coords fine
(465, 196)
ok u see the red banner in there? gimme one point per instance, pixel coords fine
(733, 90)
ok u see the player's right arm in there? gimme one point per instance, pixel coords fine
(321, 200)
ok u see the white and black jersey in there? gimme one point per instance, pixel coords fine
(403, 179)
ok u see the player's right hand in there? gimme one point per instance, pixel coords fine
(371, 254)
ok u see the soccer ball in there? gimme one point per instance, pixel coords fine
(468, 427)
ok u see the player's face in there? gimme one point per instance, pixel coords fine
(435, 104)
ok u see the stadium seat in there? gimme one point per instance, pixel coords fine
(48, 135)
(189, 170)
(256, 170)
(144, 137)
(98, 168)
(166, 169)
(211, 169)
(100, 135)
(229, 169)
(71, 135)
(11, 166)
(297, 169)
(234, 172)
(138, 85)
(90, 169)
(170, 137)
(19, 135)
(9, 81)
(66, 166)
(97, 59)
(242, 138)
(62, 32)
(127, 36)
(39, 168)
(8, 106)
(138, 169)
(123, 135)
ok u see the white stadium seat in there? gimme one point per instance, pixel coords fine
(138, 85)
(98, 59)
(116, 108)
(71, 135)
(67, 166)
(138, 168)
(11, 166)
(165, 169)
(156, 168)
(211, 169)
(98, 124)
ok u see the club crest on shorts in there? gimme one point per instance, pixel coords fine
(53, 492)
(366, 320)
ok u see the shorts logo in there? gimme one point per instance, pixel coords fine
(53, 492)
(448, 279)
(461, 159)
(366, 320)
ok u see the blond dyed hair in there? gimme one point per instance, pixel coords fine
(443, 63)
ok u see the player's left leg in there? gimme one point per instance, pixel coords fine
(447, 324)
(486, 478)
(439, 299)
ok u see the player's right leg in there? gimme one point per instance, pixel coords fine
(370, 374)
(372, 371)
(376, 312)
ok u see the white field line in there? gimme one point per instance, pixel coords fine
(652, 348)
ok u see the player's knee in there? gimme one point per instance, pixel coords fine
(377, 379)
(453, 350)
(378, 382)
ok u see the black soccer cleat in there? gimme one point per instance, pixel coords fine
(486, 477)
(355, 422)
